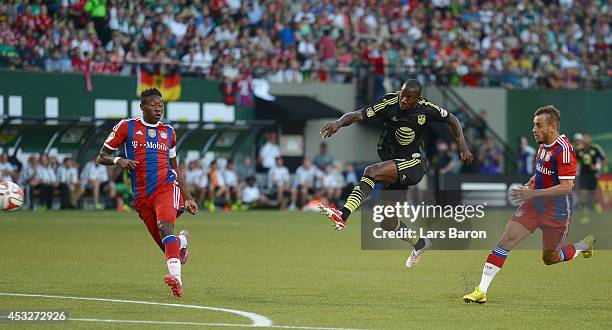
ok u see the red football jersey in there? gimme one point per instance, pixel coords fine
(152, 145)
(555, 162)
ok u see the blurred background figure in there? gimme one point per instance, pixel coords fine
(46, 181)
(69, 184)
(490, 157)
(323, 158)
(279, 182)
(526, 159)
(7, 170)
(268, 152)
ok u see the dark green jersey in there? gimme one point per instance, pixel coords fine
(588, 156)
(403, 129)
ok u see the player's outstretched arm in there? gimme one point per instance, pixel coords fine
(190, 205)
(330, 129)
(455, 126)
(106, 158)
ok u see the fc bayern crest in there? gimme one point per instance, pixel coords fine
(163, 135)
(151, 133)
(548, 154)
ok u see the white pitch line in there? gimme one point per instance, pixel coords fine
(208, 324)
(258, 320)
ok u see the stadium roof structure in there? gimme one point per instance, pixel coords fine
(293, 108)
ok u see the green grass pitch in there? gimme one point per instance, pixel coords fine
(289, 267)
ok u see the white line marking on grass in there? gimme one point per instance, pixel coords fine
(258, 320)
(208, 324)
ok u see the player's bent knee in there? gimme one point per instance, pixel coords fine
(550, 257)
(389, 224)
(165, 227)
(370, 170)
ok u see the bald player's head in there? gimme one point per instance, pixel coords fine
(410, 94)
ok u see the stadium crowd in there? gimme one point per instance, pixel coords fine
(561, 44)
(216, 183)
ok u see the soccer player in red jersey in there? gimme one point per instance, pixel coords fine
(160, 193)
(547, 203)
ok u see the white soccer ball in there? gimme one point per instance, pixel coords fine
(11, 196)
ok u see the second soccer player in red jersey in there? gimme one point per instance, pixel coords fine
(547, 203)
(159, 191)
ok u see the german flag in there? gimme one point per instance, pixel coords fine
(166, 78)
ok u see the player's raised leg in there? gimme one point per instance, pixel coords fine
(566, 251)
(513, 234)
(383, 172)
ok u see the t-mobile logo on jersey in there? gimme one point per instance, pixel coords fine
(150, 145)
(543, 169)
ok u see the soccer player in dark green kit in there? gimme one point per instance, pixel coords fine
(405, 115)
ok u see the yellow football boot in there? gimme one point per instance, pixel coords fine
(590, 251)
(477, 297)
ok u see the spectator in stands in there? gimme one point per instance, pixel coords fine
(8, 53)
(196, 180)
(27, 179)
(217, 187)
(350, 180)
(443, 158)
(269, 152)
(279, 182)
(332, 183)
(69, 184)
(479, 126)
(520, 44)
(96, 179)
(251, 195)
(232, 182)
(323, 158)
(46, 182)
(526, 161)
(123, 188)
(455, 158)
(305, 181)
(442, 165)
(246, 169)
(490, 157)
(97, 12)
(7, 170)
